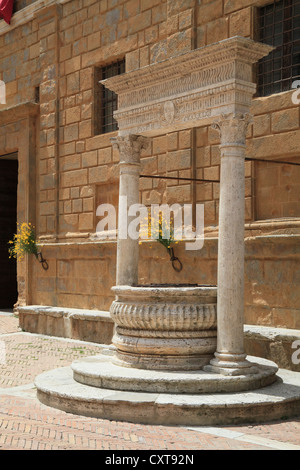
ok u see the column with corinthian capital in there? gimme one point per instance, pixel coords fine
(130, 148)
(230, 357)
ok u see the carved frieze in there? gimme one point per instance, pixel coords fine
(189, 90)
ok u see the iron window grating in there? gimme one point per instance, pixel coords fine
(279, 26)
(106, 101)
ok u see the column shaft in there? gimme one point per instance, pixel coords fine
(230, 358)
(130, 148)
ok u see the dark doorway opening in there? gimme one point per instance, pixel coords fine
(8, 224)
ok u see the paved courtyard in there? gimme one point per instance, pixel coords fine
(26, 424)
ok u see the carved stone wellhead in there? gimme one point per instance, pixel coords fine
(172, 328)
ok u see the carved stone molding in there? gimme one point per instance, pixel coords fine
(233, 128)
(165, 328)
(130, 147)
(190, 90)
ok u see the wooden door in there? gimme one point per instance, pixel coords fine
(8, 218)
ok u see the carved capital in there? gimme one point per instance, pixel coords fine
(130, 147)
(233, 128)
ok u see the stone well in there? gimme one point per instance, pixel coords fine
(178, 354)
(169, 327)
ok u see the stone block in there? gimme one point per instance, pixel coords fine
(274, 145)
(144, 56)
(47, 208)
(159, 51)
(241, 22)
(185, 139)
(73, 83)
(186, 19)
(285, 120)
(98, 174)
(93, 41)
(86, 221)
(159, 13)
(104, 155)
(179, 194)
(85, 129)
(180, 42)
(159, 145)
(172, 24)
(89, 158)
(176, 6)
(179, 160)
(74, 178)
(149, 165)
(261, 125)
(70, 162)
(75, 191)
(139, 22)
(204, 192)
(217, 30)
(77, 206)
(269, 104)
(203, 158)
(86, 78)
(212, 173)
(71, 132)
(147, 4)
(209, 11)
(88, 204)
(73, 115)
(72, 65)
(172, 141)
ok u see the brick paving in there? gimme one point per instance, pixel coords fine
(26, 424)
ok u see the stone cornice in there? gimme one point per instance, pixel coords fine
(231, 49)
(17, 112)
(187, 90)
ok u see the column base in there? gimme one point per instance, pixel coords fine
(230, 364)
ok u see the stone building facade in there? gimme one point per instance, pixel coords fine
(51, 59)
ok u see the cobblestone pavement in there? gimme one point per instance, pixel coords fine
(26, 424)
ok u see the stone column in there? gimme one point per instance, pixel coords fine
(230, 358)
(130, 148)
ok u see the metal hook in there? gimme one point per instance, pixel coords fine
(175, 260)
(42, 260)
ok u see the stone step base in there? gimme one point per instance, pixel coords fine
(106, 372)
(280, 400)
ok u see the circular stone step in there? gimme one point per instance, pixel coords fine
(103, 372)
(280, 400)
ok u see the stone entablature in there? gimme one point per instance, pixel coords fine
(189, 90)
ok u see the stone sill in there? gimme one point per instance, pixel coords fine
(259, 228)
(284, 226)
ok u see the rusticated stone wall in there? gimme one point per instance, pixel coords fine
(51, 58)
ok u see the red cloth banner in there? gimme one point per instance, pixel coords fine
(6, 9)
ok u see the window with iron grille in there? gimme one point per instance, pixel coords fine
(279, 26)
(106, 101)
